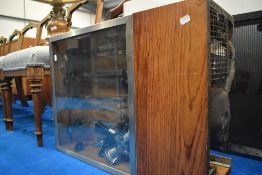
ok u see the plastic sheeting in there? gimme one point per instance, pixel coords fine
(219, 117)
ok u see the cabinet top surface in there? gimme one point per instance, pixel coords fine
(100, 26)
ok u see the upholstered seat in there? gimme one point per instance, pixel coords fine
(20, 59)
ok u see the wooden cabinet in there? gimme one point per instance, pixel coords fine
(149, 70)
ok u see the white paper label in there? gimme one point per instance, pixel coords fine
(55, 58)
(184, 19)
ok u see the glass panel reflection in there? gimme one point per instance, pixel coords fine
(91, 96)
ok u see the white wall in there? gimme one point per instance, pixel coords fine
(134, 6)
(32, 10)
(233, 7)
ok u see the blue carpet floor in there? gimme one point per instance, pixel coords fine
(19, 154)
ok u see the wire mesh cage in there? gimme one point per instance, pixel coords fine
(221, 25)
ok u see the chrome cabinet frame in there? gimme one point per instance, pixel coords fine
(128, 21)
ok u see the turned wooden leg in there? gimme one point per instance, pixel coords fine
(20, 91)
(42, 103)
(6, 92)
(35, 75)
(36, 92)
(4, 105)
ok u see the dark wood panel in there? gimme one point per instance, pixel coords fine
(171, 89)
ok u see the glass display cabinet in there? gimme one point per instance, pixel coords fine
(130, 100)
(91, 88)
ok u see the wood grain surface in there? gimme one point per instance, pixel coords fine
(27, 42)
(171, 89)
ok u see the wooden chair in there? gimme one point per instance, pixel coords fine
(33, 72)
